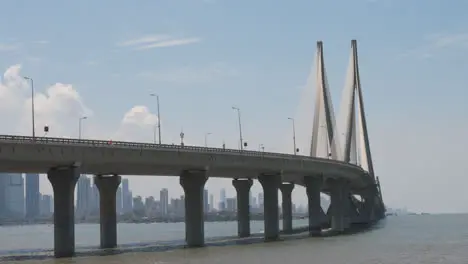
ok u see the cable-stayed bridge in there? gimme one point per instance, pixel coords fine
(339, 164)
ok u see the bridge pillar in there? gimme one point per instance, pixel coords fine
(313, 187)
(193, 183)
(270, 184)
(107, 186)
(286, 206)
(368, 208)
(243, 206)
(339, 204)
(63, 181)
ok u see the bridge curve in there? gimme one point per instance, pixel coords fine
(39, 154)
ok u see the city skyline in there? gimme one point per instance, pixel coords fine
(201, 60)
(20, 197)
(21, 200)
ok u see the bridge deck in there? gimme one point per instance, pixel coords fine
(27, 154)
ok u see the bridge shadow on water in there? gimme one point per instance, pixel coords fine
(298, 233)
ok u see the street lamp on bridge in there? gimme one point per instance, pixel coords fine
(206, 139)
(294, 135)
(32, 105)
(240, 128)
(80, 120)
(159, 117)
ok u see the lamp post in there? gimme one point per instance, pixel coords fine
(261, 147)
(32, 105)
(240, 127)
(80, 120)
(206, 139)
(294, 134)
(159, 117)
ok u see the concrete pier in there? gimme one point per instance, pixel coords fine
(107, 186)
(63, 181)
(193, 183)
(270, 184)
(313, 188)
(338, 196)
(368, 209)
(243, 206)
(286, 205)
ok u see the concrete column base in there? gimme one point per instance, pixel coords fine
(243, 206)
(63, 181)
(313, 188)
(193, 183)
(338, 196)
(270, 184)
(286, 205)
(107, 186)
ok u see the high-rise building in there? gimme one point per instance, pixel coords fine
(222, 200)
(14, 195)
(205, 201)
(211, 203)
(93, 200)
(164, 201)
(33, 196)
(231, 204)
(83, 196)
(3, 186)
(45, 205)
(127, 199)
(139, 206)
(118, 201)
(260, 202)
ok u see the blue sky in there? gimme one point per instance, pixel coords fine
(202, 57)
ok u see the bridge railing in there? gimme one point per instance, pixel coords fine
(137, 145)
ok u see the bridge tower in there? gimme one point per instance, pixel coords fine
(355, 137)
(324, 128)
(356, 148)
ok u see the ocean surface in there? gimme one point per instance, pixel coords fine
(398, 239)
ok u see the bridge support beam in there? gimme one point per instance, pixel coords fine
(270, 184)
(243, 206)
(313, 187)
(193, 183)
(107, 186)
(286, 206)
(63, 181)
(339, 204)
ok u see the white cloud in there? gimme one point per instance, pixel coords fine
(157, 41)
(60, 106)
(170, 43)
(143, 40)
(8, 47)
(436, 43)
(34, 59)
(41, 42)
(139, 115)
(190, 75)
